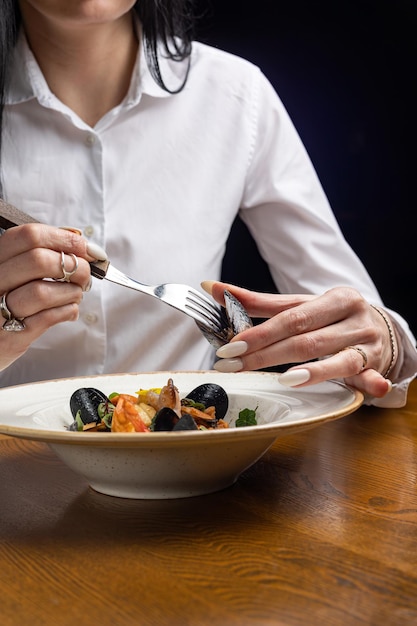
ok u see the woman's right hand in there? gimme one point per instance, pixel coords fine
(29, 254)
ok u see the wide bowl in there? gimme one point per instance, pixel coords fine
(170, 464)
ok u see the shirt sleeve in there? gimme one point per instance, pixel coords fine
(289, 216)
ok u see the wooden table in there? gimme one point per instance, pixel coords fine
(322, 531)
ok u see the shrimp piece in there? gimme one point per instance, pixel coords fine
(126, 418)
(208, 415)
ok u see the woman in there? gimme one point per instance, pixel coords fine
(150, 146)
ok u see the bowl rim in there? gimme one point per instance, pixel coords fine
(352, 400)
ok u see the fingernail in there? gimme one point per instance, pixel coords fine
(88, 286)
(77, 231)
(228, 365)
(389, 385)
(292, 378)
(96, 251)
(207, 285)
(236, 348)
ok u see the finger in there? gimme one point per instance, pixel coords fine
(256, 304)
(320, 326)
(344, 361)
(371, 383)
(343, 364)
(39, 263)
(39, 323)
(347, 364)
(41, 295)
(20, 239)
(271, 343)
(13, 345)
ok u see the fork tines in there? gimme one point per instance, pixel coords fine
(209, 314)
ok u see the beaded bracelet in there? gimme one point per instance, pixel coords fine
(391, 338)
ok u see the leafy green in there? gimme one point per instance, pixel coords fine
(247, 417)
(78, 421)
(192, 403)
(105, 412)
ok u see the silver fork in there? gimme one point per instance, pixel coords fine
(182, 297)
(210, 318)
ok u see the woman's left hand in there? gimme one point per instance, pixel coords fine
(347, 335)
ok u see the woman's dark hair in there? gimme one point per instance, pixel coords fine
(9, 20)
(166, 23)
(171, 23)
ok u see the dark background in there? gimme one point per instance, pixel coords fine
(345, 71)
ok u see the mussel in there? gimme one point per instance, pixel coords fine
(166, 419)
(186, 422)
(193, 408)
(84, 405)
(236, 320)
(210, 394)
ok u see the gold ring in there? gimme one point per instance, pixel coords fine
(361, 352)
(66, 278)
(12, 324)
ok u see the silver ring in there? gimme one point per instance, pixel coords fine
(361, 352)
(12, 324)
(4, 309)
(66, 278)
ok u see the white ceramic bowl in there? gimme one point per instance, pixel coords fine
(170, 464)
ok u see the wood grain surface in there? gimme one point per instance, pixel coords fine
(322, 531)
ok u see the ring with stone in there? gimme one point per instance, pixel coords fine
(12, 324)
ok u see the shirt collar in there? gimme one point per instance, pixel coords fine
(27, 81)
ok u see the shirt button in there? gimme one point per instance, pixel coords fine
(88, 231)
(90, 140)
(90, 318)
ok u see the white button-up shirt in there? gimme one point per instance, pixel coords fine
(157, 183)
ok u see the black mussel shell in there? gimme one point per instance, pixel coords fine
(238, 318)
(86, 401)
(216, 339)
(164, 419)
(235, 320)
(211, 394)
(186, 422)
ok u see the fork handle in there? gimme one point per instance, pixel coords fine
(12, 216)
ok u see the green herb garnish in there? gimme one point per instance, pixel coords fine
(247, 417)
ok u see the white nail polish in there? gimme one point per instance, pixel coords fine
(228, 365)
(87, 288)
(207, 285)
(236, 348)
(292, 378)
(96, 251)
